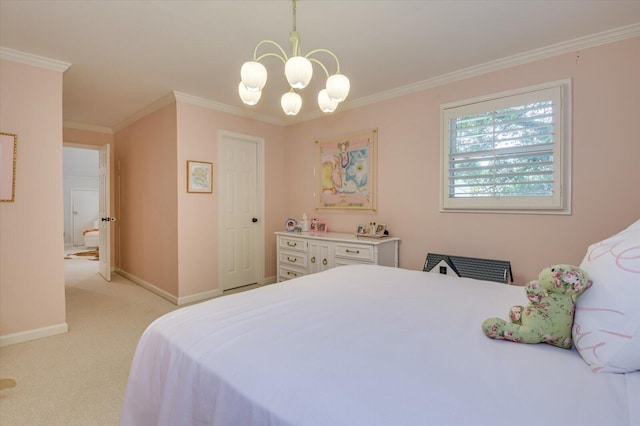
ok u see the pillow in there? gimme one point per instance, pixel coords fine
(606, 329)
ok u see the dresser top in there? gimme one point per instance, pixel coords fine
(337, 236)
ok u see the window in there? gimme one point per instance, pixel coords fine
(508, 152)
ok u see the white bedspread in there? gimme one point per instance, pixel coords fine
(363, 345)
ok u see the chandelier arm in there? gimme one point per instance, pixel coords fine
(325, 51)
(255, 51)
(271, 54)
(321, 64)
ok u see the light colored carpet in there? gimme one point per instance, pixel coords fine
(79, 378)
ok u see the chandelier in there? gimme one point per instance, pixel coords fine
(298, 70)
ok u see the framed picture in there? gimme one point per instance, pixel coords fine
(346, 173)
(8, 153)
(321, 227)
(199, 177)
(362, 229)
(380, 229)
(313, 224)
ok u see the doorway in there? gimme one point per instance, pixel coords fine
(81, 186)
(86, 177)
(241, 210)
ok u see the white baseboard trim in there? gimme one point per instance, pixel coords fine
(199, 297)
(270, 280)
(37, 333)
(168, 296)
(147, 285)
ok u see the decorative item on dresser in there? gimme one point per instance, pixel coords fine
(308, 253)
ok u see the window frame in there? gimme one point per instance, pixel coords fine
(560, 201)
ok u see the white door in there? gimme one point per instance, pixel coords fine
(241, 208)
(84, 213)
(104, 248)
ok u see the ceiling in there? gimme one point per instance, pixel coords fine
(126, 55)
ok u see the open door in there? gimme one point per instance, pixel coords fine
(104, 214)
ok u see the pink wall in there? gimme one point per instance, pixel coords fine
(31, 228)
(147, 204)
(606, 100)
(99, 139)
(198, 214)
(166, 236)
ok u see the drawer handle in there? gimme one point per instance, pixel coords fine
(324, 262)
(313, 259)
(295, 259)
(291, 245)
(353, 251)
(292, 273)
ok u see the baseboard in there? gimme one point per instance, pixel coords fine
(147, 285)
(168, 296)
(199, 297)
(38, 333)
(270, 280)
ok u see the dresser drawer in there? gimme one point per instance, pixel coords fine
(293, 258)
(287, 273)
(360, 252)
(293, 243)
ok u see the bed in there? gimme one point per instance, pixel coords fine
(363, 345)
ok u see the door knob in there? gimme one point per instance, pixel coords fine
(254, 220)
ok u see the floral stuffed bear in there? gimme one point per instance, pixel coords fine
(549, 315)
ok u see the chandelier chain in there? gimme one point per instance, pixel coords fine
(294, 15)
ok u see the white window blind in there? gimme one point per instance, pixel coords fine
(506, 152)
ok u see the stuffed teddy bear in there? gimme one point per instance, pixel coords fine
(549, 316)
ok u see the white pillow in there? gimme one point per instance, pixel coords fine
(606, 329)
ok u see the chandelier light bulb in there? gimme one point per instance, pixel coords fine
(291, 103)
(254, 76)
(298, 71)
(338, 87)
(249, 98)
(325, 103)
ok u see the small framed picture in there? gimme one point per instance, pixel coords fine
(362, 229)
(199, 177)
(380, 229)
(321, 227)
(313, 224)
(8, 150)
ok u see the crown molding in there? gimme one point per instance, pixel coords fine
(34, 60)
(507, 62)
(87, 127)
(217, 106)
(581, 43)
(153, 107)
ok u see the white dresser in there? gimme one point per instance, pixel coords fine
(307, 253)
